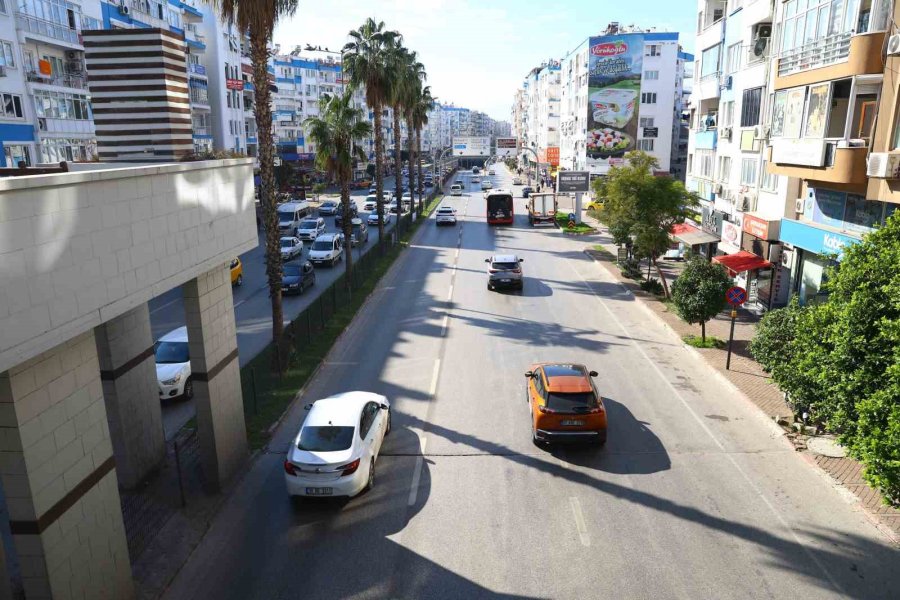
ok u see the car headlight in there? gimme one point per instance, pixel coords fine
(172, 381)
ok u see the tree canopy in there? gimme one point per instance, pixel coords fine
(699, 292)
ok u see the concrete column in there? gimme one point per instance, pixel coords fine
(59, 476)
(131, 392)
(212, 341)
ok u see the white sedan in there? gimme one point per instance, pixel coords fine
(445, 215)
(291, 247)
(335, 451)
(372, 219)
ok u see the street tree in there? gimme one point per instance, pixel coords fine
(424, 105)
(337, 134)
(367, 61)
(643, 207)
(399, 57)
(699, 292)
(258, 19)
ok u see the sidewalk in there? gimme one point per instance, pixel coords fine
(749, 378)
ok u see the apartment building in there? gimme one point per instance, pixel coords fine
(622, 91)
(46, 114)
(540, 115)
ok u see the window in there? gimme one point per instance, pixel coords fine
(724, 168)
(733, 58)
(7, 58)
(645, 145)
(750, 104)
(704, 161)
(646, 121)
(651, 75)
(727, 114)
(3, 7)
(648, 98)
(652, 50)
(11, 105)
(748, 171)
(15, 154)
(709, 61)
(769, 181)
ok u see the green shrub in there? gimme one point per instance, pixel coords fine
(653, 286)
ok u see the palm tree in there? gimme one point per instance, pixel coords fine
(367, 62)
(411, 76)
(336, 133)
(424, 104)
(257, 18)
(399, 57)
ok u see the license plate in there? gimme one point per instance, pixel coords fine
(318, 491)
(505, 280)
(573, 422)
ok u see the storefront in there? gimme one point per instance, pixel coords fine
(750, 272)
(759, 237)
(815, 248)
(689, 238)
(711, 223)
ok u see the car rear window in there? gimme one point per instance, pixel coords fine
(291, 270)
(286, 243)
(328, 438)
(171, 352)
(505, 266)
(309, 224)
(571, 402)
(323, 245)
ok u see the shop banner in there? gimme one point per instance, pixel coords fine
(731, 237)
(614, 95)
(814, 239)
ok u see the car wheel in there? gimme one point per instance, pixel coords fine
(188, 389)
(490, 287)
(371, 482)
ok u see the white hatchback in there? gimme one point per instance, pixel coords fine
(445, 215)
(335, 451)
(173, 365)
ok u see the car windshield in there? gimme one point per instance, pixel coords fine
(505, 266)
(571, 402)
(356, 229)
(285, 217)
(328, 438)
(329, 203)
(308, 224)
(322, 245)
(291, 270)
(286, 243)
(171, 352)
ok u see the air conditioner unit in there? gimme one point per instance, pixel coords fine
(123, 9)
(761, 132)
(73, 67)
(717, 189)
(726, 82)
(787, 256)
(746, 203)
(726, 133)
(893, 47)
(884, 165)
(42, 124)
(775, 252)
(71, 54)
(798, 206)
(764, 30)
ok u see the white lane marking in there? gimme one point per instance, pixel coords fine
(728, 455)
(444, 325)
(456, 255)
(450, 294)
(579, 521)
(434, 377)
(417, 472)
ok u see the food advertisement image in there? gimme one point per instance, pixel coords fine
(614, 96)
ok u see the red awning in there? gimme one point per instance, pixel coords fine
(690, 235)
(742, 261)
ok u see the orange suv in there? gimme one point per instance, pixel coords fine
(565, 405)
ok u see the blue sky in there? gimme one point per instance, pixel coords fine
(477, 53)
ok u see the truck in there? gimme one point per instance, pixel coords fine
(542, 210)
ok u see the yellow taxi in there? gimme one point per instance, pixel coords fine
(565, 405)
(237, 272)
(594, 205)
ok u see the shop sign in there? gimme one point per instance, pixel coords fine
(651, 132)
(731, 237)
(814, 239)
(711, 221)
(234, 84)
(761, 228)
(573, 181)
(553, 155)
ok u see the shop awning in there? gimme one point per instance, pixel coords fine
(691, 236)
(742, 261)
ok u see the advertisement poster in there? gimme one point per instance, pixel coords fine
(614, 96)
(818, 110)
(778, 113)
(793, 112)
(828, 208)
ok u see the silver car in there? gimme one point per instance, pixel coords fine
(505, 271)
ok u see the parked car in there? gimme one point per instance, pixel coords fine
(296, 277)
(373, 218)
(565, 405)
(594, 205)
(310, 229)
(360, 232)
(456, 190)
(445, 215)
(327, 249)
(337, 447)
(173, 365)
(291, 248)
(329, 207)
(237, 272)
(339, 216)
(526, 191)
(505, 271)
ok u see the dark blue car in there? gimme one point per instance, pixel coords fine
(296, 277)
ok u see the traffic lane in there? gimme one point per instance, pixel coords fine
(662, 463)
(388, 349)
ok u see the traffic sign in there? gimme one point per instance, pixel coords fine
(736, 296)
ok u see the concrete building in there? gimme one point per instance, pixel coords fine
(541, 114)
(602, 118)
(81, 253)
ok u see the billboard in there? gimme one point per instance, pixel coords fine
(507, 147)
(614, 97)
(472, 146)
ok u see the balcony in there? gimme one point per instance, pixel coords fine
(706, 140)
(833, 57)
(820, 160)
(68, 80)
(48, 29)
(197, 69)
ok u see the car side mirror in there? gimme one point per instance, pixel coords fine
(521, 260)
(593, 373)
(308, 407)
(487, 260)
(383, 406)
(529, 374)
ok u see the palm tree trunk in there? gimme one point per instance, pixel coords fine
(379, 171)
(266, 153)
(419, 165)
(410, 142)
(398, 164)
(348, 230)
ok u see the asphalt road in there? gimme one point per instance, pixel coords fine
(695, 495)
(252, 307)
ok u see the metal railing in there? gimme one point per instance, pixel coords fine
(65, 80)
(816, 53)
(58, 31)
